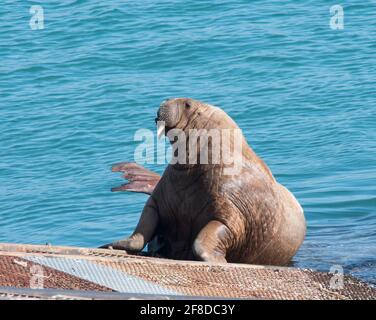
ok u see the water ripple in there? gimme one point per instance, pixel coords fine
(73, 95)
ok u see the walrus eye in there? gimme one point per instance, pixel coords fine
(187, 104)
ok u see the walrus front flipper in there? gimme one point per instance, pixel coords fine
(145, 231)
(140, 179)
(212, 242)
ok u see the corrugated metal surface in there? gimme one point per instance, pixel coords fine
(7, 293)
(89, 269)
(102, 275)
(18, 272)
(235, 281)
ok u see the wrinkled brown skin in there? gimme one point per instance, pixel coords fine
(196, 212)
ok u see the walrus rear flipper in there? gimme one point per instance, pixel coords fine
(140, 179)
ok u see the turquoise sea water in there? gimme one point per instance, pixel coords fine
(73, 94)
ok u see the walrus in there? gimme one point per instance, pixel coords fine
(197, 212)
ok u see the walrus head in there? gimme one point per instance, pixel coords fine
(178, 113)
(199, 132)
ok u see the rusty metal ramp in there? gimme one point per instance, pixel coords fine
(46, 272)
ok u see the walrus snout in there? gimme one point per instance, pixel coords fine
(169, 115)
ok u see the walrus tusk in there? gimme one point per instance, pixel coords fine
(160, 129)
